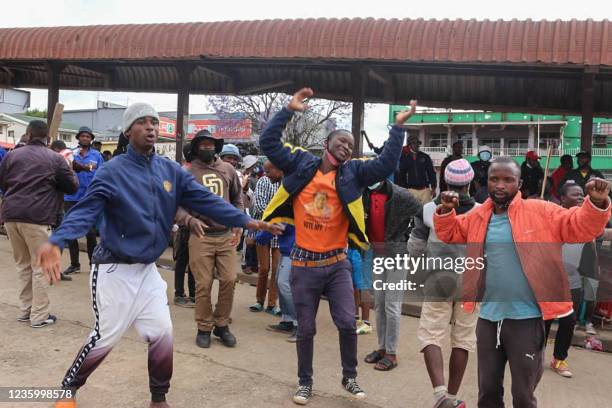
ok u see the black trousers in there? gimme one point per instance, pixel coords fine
(521, 344)
(73, 246)
(181, 264)
(565, 331)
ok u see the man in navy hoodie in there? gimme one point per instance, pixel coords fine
(138, 194)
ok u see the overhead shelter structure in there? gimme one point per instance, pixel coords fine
(526, 66)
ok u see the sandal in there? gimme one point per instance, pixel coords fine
(385, 364)
(374, 357)
(257, 307)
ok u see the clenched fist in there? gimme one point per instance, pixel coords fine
(449, 200)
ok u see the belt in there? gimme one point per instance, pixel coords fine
(322, 262)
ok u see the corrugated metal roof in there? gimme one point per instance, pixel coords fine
(551, 42)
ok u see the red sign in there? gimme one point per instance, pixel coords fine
(223, 128)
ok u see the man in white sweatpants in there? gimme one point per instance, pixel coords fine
(138, 194)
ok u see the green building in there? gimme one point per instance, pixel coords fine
(510, 134)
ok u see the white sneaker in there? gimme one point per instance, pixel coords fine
(590, 329)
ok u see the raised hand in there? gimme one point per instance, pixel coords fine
(403, 116)
(598, 190)
(297, 101)
(448, 201)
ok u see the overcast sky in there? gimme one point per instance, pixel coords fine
(35, 13)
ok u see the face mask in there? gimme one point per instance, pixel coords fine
(375, 186)
(486, 156)
(332, 159)
(206, 156)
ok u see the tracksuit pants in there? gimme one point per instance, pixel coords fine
(335, 282)
(123, 296)
(519, 343)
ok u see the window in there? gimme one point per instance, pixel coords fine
(438, 140)
(11, 135)
(552, 138)
(466, 138)
(492, 143)
(601, 141)
(518, 143)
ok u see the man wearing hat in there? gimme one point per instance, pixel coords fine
(440, 306)
(416, 171)
(216, 248)
(86, 162)
(532, 175)
(230, 154)
(584, 172)
(138, 193)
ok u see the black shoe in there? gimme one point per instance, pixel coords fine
(72, 269)
(47, 322)
(303, 394)
(226, 337)
(203, 339)
(350, 384)
(282, 327)
(24, 318)
(65, 277)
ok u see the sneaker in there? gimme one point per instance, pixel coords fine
(350, 384)
(303, 394)
(273, 310)
(72, 269)
(47, 322)
(65, 277)
(282, 327)
(182, 301)
(24, 318)
(256, 307)
(363, 327)
(293, 336)
(446, 402)
(560, 367)
(590, 329)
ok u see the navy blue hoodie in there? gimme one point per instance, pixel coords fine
(138, 196)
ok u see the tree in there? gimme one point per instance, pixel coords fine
(307, 129)
(36, 113)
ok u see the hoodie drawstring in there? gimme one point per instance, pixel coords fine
(499, 327)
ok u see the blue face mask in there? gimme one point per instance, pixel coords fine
(485, 155)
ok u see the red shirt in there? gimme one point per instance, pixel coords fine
(557, 177)
(376, 217)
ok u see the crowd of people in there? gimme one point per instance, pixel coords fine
(312, 228)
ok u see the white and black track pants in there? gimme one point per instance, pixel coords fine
(125, 295)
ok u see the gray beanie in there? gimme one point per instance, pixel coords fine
(136, 111)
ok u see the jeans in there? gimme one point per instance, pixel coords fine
(285, 297)
(335, 282)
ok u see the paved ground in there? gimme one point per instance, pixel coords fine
(259, 372)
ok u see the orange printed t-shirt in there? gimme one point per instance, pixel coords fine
(320, 222)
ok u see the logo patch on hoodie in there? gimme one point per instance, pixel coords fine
(167, 186)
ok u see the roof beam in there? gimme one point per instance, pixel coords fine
(265, 87)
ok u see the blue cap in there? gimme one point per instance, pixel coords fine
(230, 150)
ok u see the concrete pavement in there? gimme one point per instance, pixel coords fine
(259, 372)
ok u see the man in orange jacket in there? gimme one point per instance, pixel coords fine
(523, 281)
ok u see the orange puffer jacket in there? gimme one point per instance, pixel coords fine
(539, 228)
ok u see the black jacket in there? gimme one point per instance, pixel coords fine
(34, 180)
(416, 172)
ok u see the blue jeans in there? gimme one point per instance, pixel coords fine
(285, 297)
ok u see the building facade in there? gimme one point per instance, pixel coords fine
(509, 134)
(13, 126)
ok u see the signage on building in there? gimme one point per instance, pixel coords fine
(167, 149)
(223, 128)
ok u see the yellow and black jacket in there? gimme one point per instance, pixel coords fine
(300, 166)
